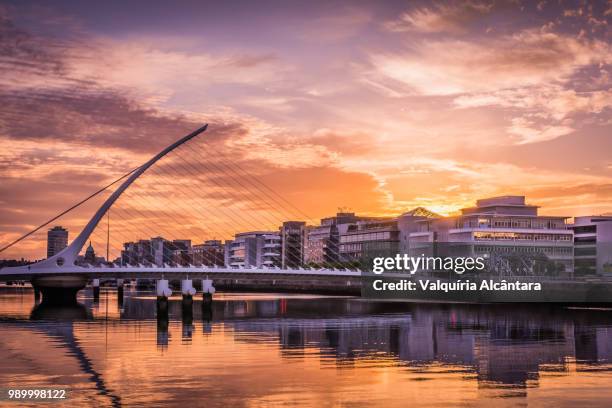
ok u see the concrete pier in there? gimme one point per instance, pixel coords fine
(163, 293)
(208, 290)
(59, 289)
(188, 291)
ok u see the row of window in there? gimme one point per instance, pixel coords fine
(513, 223)
(372, 236)
(519, 236)
(528, 249)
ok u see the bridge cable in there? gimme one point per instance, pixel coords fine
(67, 211)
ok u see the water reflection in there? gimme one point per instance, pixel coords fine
(474, 352)
(44, 311)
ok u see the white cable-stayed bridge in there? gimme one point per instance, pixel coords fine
(61, 276)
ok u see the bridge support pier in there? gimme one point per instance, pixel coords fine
(163, 293)
(36, 295)
(208, 290)
(59, 289)
(188, 291)
(95, 283)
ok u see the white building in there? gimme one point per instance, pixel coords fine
(501, 224)
(592, 245)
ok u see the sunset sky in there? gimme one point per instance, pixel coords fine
(374, 106)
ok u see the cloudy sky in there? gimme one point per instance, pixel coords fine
(374, 106)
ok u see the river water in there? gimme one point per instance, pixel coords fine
(254, 350)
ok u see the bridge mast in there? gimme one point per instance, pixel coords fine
(68, 255)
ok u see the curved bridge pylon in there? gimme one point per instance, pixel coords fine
(59, 278)
(65, 260)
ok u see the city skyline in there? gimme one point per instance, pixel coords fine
(348, 239)
(380, 107)
(306, 203)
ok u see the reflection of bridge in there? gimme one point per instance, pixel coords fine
(59, 277)
(58, 324)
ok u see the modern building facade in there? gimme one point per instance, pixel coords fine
(181, 251)
(363, 240)
(255, 249)
(57, 239)
(501, 224)
(409, 222)
(157, 251)
(592, 245)
(137, 252)
(209, 253)
(323, 242)
(293, 238)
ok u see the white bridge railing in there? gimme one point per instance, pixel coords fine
(170, 270)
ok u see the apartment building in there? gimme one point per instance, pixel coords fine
(209, 253)
(57, 239)
(156, 251)
(255, 249)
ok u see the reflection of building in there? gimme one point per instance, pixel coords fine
(593, 344)
(210, 253)
(293, 237)
(255, 248)
(501, 345)
(57, 239)
(504, 358)
(592, 245)
(502, 224)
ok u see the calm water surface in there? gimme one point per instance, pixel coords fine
(271, 349)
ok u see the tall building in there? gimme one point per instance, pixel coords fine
(181, 251)
(367, 239)
(210, 253)
(323, 242)
(139, 252)
(592, 245)
(57, 239)
(162, 251)
(293, 238)
(255, 248)
(227, 252)
(319, 245)
(499, 225)
(157, 251)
